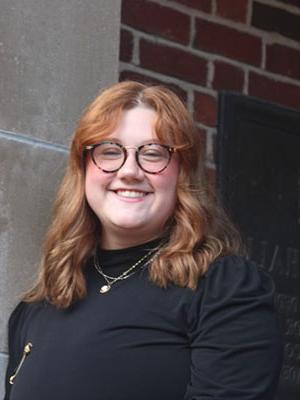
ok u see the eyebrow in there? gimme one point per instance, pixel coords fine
(116, 140)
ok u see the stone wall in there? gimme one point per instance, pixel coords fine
(55, 56)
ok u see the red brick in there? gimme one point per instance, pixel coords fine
(202, 5)
(135, 76)
(126, 45)
(274, 19)
(156, 19)
(278, 92)
(227, 77)
(283, 60)
(174, 62)
(232, 9)
(205, 109)
(216, 38)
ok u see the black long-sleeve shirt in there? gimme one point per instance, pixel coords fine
(141, 342)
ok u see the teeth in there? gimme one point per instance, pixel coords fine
(130, 193)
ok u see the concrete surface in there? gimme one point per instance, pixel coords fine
(55, 56)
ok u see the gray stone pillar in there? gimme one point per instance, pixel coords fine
(55, 56)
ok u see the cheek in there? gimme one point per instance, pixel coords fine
(167, 182)
(171, 175)
(94, 179)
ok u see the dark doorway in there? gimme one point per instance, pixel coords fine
(258, 161)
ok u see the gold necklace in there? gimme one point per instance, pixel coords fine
(110, 280)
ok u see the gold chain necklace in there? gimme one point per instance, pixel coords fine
(110, 280)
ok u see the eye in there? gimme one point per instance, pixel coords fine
(108, 151)
(153, 153)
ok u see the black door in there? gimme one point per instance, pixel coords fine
(258, 162)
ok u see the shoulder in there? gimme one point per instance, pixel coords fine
(232, 282)
(18, 320)
(17, 316)
(230, 274)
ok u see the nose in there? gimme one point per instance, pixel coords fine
(130, 170)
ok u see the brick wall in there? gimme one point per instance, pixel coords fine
(198, 47)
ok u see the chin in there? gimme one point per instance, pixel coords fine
(126, 224)
(143, 226)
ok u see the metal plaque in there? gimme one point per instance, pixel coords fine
(258, 159)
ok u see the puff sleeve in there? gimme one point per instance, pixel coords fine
(236, 346)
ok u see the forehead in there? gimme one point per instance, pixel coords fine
(137, 124)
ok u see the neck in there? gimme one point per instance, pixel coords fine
(123, 242)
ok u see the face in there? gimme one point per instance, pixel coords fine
(132, 205)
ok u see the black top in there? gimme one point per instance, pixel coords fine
(141, 342)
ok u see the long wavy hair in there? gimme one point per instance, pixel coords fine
(198, 232)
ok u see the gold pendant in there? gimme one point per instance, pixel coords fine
(104, 289)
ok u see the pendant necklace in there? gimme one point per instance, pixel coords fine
(110, 280)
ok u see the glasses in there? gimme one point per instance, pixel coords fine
(152, 158)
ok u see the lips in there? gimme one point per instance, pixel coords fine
(130, 193)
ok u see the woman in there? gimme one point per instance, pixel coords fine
(142, 293)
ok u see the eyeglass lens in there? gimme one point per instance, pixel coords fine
(151, 158)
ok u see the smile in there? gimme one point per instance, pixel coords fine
(130, 194)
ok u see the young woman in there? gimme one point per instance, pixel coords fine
(142, 292)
